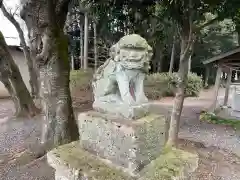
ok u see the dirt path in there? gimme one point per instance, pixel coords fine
(16, 136)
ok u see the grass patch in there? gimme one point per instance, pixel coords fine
(81, 79)
(212, 118)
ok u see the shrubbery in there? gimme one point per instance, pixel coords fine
(156, 85)
(162, 84)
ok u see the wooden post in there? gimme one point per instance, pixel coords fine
(229, 79)
(206, 77)
(85, 66)
(72, 61)
(216, 88)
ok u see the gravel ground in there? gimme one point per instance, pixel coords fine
(18, 135)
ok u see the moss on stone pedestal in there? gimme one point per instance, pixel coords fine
(73, 158)
(173, 164)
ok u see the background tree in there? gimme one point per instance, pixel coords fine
(189, 17)
(12, 80)
(31, 65)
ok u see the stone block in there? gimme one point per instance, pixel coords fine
(122, 110)
(128, 144)
(71, 162)
(174, 164)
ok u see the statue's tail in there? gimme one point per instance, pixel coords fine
(99, 72)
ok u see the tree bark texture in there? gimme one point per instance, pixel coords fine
(31, 65)
(12, 80)
(60, 126)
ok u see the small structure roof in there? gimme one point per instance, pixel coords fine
(229, 59)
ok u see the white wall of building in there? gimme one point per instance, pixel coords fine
(19, 59)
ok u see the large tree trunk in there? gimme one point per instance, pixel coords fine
(60, 126)
(186, 50)
(12, 79)
(31, 65)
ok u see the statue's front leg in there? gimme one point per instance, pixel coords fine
(139, 88)
(123, 85)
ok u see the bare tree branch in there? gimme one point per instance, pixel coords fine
(15, 23)
(198, 28)
(15, 12)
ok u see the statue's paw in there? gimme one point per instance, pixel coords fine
(143, 100)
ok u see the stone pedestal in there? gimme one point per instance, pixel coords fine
(116, 149)
(127, 144)
(122, 110)
(71, 162)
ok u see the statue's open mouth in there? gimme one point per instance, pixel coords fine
(134, 59)
(133, 65)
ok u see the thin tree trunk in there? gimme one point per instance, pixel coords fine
(86, 28)
(172, 57)
(159, 58)
(31, 65)
(12, 80)
(81, 45)
(180, 91)
(95, 46)
(190, 60)
(189, 64)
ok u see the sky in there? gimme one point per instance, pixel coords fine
(8, 30)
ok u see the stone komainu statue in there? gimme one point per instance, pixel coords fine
(118, 82)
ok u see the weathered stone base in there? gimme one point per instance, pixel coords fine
(174, 164)
(129, 144)
(122, 110)
(71, 162)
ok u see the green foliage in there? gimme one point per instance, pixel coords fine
(80, 79)
(212, 118)
(194, 85)
(162, 84)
